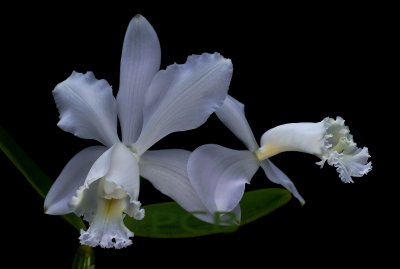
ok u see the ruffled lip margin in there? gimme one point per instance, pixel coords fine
(340, 151)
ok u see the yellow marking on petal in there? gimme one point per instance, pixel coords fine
(268, 151)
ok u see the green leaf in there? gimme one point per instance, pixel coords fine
(256, 204)
(169, 220)
(35, 176)
(75, 221)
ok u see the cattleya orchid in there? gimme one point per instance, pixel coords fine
(101, 183)
(329, 139)
(219, 174)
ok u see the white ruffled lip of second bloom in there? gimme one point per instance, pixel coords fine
(329, 139)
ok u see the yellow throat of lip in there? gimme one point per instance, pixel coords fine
(267, 151)
(111, 208)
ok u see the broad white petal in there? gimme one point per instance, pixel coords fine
(219, 175)
(231, 113)
(87, 108)
(277, 176)
(140, 61)
(305, 137)
(167, 171)
(73, 176)
(182, 97)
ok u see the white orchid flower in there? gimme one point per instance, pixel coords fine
(329, 139)
(101, 183)
(219, 174)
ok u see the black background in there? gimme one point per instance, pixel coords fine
(291, 64)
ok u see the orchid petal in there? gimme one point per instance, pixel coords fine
(110, 190)
(231, 113)
(73, 175)
(140, 61)
(119, 166)
(341, 151)
(107, 228)
(351, 165)
(167, 171)
(304, 137)
(219, 175)
(87, 108)
(329, 139)
(105, 215)
(182, 97)
(277, 176)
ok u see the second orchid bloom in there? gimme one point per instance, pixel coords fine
(220, 174)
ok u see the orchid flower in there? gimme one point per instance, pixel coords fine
(219, 174)
(330, 140)
(101, 183)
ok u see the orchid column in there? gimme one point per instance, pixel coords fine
(101, 183)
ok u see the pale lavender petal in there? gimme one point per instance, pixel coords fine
(277, 176)
(87, 108)
(182, 97)
(72, 177)
(167, 171)
(219, 175)
(140, 61)
(231, 113)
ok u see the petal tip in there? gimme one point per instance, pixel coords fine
(137, 19)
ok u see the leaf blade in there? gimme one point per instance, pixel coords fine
(35, 176)
(169, 220)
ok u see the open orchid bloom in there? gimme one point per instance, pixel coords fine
(219, 174)
(329, 139)
(101, 183)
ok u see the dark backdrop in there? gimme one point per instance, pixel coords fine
(291, 64)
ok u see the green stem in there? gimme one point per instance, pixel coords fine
(84, 258)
